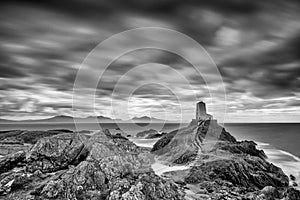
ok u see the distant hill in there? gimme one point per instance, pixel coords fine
(146, 119)
(64, 119)
(90, 119)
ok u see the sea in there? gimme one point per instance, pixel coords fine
(280, 141)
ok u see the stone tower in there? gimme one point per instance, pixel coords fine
(201, 112)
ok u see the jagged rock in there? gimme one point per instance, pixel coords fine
(88, 180)
(10, 148)
(211, 129)
(147, 133)
(251, 172)
(115, 169)
(243, 147)
(294, 184)
(118, 136)
(228, 169)
(157, 135)
(105, 166)
(190, 138)
(111, 168)
(107, 133)
(22, 140)
(164, 141)
(292, 194)
(24, 136)
(292, 177)
(11, 161)
(14, 181)
(53, 153)
(269, 192)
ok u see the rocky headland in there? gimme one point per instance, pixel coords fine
(68, 165)
(220, 167)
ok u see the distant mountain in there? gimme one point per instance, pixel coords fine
(64, 119)
(90, 119)
(60, 118)
(146, 119)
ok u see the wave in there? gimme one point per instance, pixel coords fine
(291, 155)
(144, 142)
(289, 163)
(262, 144)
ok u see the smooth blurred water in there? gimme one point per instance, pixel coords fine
(284, 136)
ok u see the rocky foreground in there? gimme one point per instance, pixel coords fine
(66, 165)
(72, 166)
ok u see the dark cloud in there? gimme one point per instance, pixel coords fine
(274, 69)
(10, 72)
(256, 45)
(12, 86)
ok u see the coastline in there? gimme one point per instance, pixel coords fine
(214, 177)
(289, 163)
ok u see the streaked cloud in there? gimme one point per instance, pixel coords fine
(255, 45)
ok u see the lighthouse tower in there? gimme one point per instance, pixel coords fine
(201, 112)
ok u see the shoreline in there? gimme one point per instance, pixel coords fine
(289, 163)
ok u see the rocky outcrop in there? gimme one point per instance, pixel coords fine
(157, 135)
(53, 153)
(243, 171)
(31, 137)
(147, 134)
(11, 161)
(242, 147)
(22, 140)
(72, 166)
(164, 141)
(220, 166)
(90, 181)
(7, 148)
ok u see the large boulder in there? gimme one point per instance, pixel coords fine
(11, 161)
(243, 171)
(50, 154)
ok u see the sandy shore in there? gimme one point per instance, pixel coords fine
(160, 168)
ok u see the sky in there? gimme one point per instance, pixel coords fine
(254, 44)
